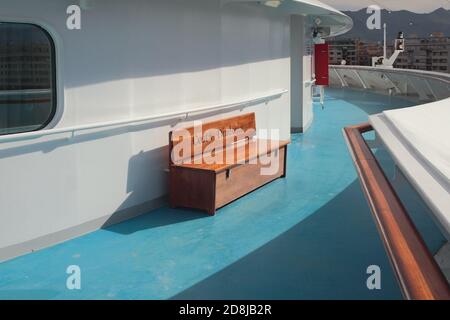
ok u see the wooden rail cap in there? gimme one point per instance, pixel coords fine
(419, 275)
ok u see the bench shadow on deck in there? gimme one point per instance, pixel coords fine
(312, 260)
(156, 219)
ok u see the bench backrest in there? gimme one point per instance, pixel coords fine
(231, 130)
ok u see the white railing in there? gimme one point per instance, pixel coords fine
(180, 115)
(423, 279)
(425, 86)
(309, 82)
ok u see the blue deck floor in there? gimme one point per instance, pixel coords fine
(309, 236)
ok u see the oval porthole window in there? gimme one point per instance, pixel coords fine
(27, 78)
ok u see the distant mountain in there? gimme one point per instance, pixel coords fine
(409, 22)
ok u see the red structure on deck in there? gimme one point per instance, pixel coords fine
(321, 54)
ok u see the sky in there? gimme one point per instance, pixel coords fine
(420, 6)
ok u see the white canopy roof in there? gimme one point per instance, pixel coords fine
(330, 18)
(427, 129)
(418, 138)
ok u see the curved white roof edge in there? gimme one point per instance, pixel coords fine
(425, 128)
(337, 22)
(430, 185)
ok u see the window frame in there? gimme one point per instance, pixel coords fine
(54, 83)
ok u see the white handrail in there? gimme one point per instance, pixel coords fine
(308, 83)
(182, 115)
(408, 76)
(443, 77)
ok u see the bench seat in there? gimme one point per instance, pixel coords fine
(246, 152)
(207, 181)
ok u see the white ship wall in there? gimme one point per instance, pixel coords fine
(301, 74)
(131, 59)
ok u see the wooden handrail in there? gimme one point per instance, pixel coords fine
(419, 275)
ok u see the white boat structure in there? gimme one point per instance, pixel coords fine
(416, 138)
(132, 72)
(89, 92)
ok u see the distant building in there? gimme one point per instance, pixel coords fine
(344, 50)
(367, 51)
(353, 51)
(430, 54)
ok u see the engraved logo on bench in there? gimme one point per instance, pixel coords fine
(227, 146)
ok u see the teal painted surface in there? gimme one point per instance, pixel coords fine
(309, 236)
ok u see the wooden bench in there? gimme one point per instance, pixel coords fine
(214, 170)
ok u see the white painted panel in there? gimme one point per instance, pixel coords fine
(131, 59)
